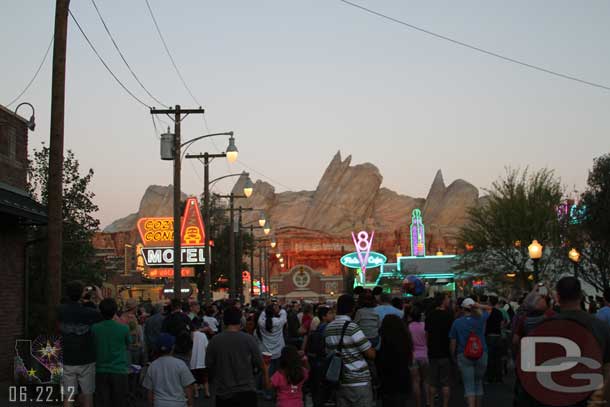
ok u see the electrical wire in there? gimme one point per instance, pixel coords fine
(116, 46)
(169, 54)
(475, 48)
(44, 58)
(105, 64)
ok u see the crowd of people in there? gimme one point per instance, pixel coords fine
(365, 347)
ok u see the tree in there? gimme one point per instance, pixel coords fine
(595, 224)
(79, 262)
(520, 207)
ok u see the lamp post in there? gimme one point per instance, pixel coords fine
(231, 154)
(574, 256)
(248, 189)
(535, 253)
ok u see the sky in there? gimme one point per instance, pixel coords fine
(299, 80)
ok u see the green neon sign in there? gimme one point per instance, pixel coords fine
(375, 260)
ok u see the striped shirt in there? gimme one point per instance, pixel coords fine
(355, 369)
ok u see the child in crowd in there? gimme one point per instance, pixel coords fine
(288, 380)
(168, 379)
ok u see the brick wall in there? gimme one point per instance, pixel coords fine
(13, 149)
(12, 243)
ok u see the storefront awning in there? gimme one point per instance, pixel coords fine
(17, 203)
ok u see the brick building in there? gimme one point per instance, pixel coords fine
(17, 212)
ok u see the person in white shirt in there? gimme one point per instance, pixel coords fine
(270, 332)
(197, 364)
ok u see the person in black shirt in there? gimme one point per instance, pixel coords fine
(75, 322)
(176, 322)
(493, 336)
(438, 325)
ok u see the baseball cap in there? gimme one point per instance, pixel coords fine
(166, 342)
(468, 303)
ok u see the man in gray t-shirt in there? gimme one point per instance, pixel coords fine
(168, 379)
(231, 358)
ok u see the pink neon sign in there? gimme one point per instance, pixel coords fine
(363, 248)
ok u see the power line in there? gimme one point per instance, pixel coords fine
(475, 48)
(44, 58)
(104, 63)
(116, 46)
(169, 54)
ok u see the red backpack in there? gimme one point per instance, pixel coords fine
(474, 347)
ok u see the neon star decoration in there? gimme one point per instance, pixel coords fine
(363, 248)
(49, 352)
(418, 234)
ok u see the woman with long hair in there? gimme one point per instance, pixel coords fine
(289, 378)
(393, 362)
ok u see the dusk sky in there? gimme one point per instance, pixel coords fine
(299, 80)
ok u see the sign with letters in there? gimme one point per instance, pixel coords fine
(352, 261)
(157, 236)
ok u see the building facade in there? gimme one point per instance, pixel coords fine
(18, 211)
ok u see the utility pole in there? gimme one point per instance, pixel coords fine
(233, 283)
(240, 248)
(56, 160)
(252, 264)
(177, 112)
(260, 270)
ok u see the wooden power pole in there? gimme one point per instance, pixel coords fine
(56, 159)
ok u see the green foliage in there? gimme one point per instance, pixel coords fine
(595, 223)
(520, 207)
(78, 254)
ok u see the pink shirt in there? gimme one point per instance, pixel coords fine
(420, 344)
(288, 395)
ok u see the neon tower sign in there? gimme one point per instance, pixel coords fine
(418, 234)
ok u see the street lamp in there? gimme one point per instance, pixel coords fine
(248, 187)
(273, 243)
(262, 219)
(231, 150)
(278, 255)
(32, 122)
(535, 253)
(574, 256)
(267, 228)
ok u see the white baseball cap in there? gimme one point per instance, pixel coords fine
(468, 303)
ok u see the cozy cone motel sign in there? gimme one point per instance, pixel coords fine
(157, 236)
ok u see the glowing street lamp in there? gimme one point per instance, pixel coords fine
(248, 187)
(535, 253)
(231, 151)
(574, 256)
(273, 243)
(262, 219)
(278, 255)
(267, 228)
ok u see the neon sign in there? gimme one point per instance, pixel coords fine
(156, 230)
(160, 231)
(418, 234)
(191, 231)
(352, 261)
(164, 256)
(169, 273)
(363, 248)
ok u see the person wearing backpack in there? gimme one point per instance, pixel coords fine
(468, 346)
(345, 339)
(315, 349)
